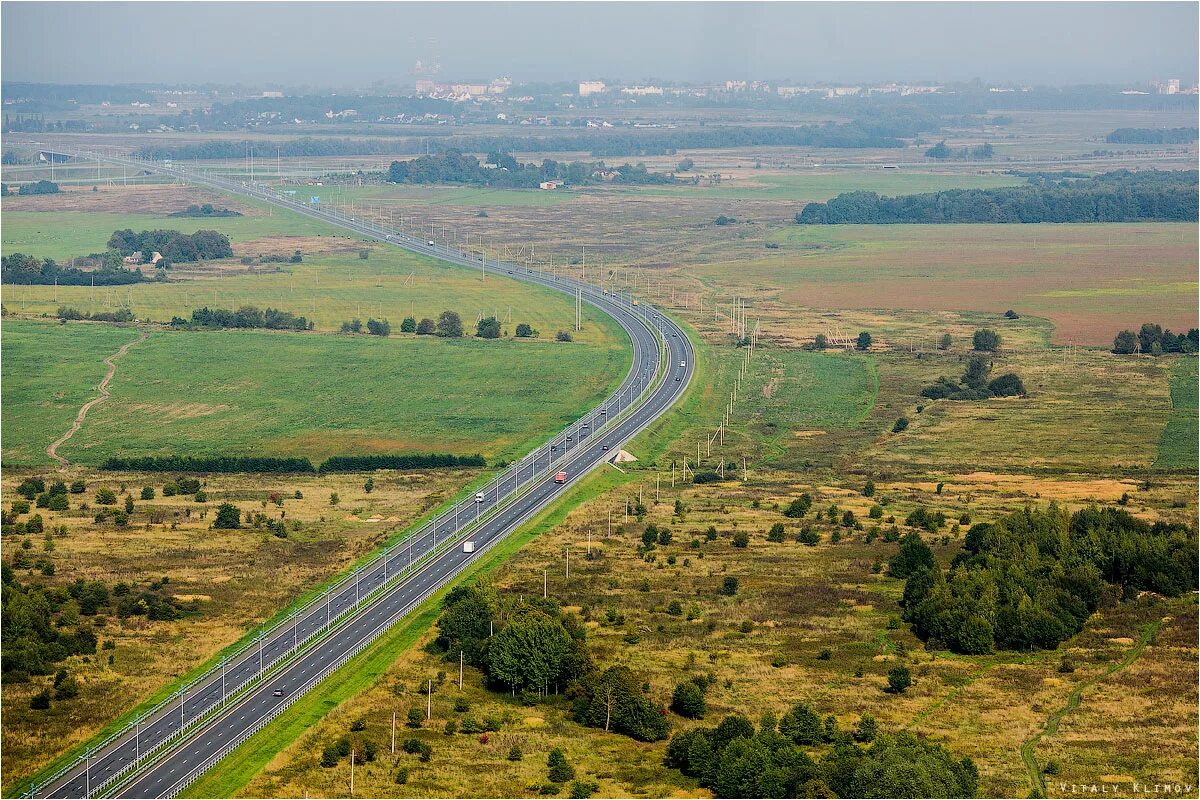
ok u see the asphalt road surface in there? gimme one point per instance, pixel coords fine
(503, 505)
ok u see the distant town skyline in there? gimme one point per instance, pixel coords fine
(357, 44)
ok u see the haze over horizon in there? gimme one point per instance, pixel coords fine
(321, 44)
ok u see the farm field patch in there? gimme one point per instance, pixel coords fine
(253, 393)
(1090, 280)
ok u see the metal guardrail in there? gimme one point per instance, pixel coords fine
(306, 611)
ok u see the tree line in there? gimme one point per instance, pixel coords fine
(363, 463)
(1032, 578)
(1120, 196)
(270, 464)
(943, 152)
(244, 317)
(504, 171)
(1153, 136)
(1153, 339)
(26, 270)
(172, 245)
(884, 131)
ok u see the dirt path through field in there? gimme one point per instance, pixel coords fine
(1036, 779)
(111, 361)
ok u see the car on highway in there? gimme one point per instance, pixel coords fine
(479, 497)
(277, 693)
(431, 242)
(605, 447)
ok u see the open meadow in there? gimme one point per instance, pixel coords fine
(807, 624)
(207, 393)
(227, 581)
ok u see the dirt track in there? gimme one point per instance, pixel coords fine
(52, 450)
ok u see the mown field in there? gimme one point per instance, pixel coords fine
(48, 372)
(813, 184)
(249, 393)
(1177, 448)
(765, 648)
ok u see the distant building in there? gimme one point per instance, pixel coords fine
(642, 91)
(550, 184)
(272, 94)
(587, 88)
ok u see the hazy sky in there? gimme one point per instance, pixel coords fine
(355, 44)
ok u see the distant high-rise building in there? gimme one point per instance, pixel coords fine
(591, 87)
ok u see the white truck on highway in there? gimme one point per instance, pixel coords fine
(468, 547)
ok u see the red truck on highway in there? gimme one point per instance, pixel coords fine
(560, 477)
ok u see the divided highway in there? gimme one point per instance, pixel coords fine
(172, 745)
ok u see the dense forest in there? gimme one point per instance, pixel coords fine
(1120, 196)
(26, 270)
(244, 317)
(502, 170)
(172, 245)
(1032, 578)
(1153, 136)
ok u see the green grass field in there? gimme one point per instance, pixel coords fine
(295, 394)
(62, 235)
(49, 371)
(330, 286)
(1177, 448)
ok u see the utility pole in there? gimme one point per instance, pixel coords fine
(545, 582)
(352, 754)
(429, 701)
(393, 731)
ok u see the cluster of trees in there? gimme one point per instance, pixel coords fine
(1152, 338)
(44, 625)
(39, 187)
(120, 315)
(524, 645)
(172, 245)
(25, 270)
(1120, 196)
(615, 700)
(375, 327)
(1153, 136)
(980, 152)
(735, 760)
(976, 384)
(502, 170)
(206, 210)
(1032, 578)
(244, 317)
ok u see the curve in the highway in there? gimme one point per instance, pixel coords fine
(228, 705)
